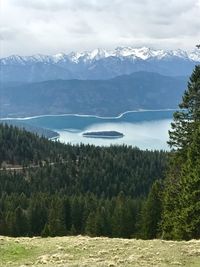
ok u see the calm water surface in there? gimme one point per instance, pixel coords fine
(144, 129)
(145, 135)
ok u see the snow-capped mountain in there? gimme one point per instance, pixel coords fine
(98, 64)
(142, 53)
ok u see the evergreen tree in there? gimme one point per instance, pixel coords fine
(122, 220)
(186, 119)
(45, 232)
(90, 228)
(189, 196)
(2, 224)
(77, 215)
(181, 216)
(10, 224)
(21, 222)
(151, 214)
(56, 220)
(37, 215)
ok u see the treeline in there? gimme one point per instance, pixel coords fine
(57, 215)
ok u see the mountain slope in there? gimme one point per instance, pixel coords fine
(97, 64)
(65, 186)
(140, 90)
(19, 147)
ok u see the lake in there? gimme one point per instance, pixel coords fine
(144, 129)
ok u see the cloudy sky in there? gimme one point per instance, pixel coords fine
(52, 26)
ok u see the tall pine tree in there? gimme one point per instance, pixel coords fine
(181, 216)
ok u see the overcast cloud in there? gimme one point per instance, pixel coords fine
(52, 26)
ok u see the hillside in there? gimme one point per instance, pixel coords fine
(19, 147)
(65, 190)
(97, 252)
(140, 90)
(30, 128)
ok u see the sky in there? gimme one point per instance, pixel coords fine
(30, 27)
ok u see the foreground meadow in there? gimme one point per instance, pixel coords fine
(85, 251)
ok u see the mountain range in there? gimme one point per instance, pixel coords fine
(139, 90)
(98, 64)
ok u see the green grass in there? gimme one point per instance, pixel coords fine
(12, 251)
(102, 252)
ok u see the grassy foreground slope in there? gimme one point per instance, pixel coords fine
(85, 251)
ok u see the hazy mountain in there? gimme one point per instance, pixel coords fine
(97, 64)
(140, 90)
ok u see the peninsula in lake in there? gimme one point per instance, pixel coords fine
(103, 134)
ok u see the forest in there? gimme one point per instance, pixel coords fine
(87, 190)
(117, 191)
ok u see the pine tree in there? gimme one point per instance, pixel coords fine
(37, 215)
(10, 224)
(122, 219)
(190, 194)
(45, 232)
(151, 214)
(90, 228)
(188, 116)
(77, 214)
(57, 219)
(21, 222)
(181, 216)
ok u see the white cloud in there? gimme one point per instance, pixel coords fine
(51, 26)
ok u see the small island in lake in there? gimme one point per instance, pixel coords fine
(103, 134)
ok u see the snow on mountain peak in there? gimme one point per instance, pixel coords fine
(58, 57)
(95, 54)
(143, 53)
(195, 55)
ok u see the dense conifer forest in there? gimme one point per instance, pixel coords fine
(115, 191)
(73, 189)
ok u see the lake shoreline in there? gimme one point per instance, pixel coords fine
(87, 115)
(146, 129)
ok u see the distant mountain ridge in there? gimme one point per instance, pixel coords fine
(97, 64)
(140, 90)
(143, 53)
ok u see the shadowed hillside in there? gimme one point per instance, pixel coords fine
(140, 90)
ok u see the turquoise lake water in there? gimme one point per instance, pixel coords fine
(144, 129)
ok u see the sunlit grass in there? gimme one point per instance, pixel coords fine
(85, 251)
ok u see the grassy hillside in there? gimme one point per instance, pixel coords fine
(85, 251)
